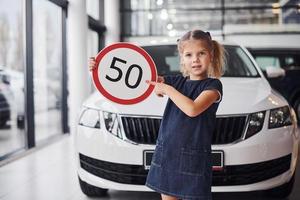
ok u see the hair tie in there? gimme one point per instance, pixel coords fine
(208, 33)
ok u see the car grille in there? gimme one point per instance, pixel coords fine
(231, 175)
(144, 130)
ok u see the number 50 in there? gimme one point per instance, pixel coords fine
(120, 73)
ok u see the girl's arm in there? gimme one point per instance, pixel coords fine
(187, 105)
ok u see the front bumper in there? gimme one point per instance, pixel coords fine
(230, 176)
(261, 162)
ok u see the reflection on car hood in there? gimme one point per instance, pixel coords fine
(248, 95)
(241, 95)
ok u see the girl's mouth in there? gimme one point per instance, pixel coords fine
(196, 67)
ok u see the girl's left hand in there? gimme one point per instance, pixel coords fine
(160, 87)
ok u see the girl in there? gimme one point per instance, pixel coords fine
(181, 167)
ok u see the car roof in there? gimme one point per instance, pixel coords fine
(274, 49)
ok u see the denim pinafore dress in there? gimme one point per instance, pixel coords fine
(182, 162)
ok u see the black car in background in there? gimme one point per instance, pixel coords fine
(4, 105)
(4, 110)
(287, 83)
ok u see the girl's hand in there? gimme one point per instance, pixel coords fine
(160, 87)
(160, 79)
(92, 63)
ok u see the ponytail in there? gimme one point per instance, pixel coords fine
(218, 60)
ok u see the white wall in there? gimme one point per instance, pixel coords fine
(78, 84)
(112, 21)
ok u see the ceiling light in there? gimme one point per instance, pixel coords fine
(159, 2)
(172, 33)
(150, 16)
(170, 26)
(164, 14)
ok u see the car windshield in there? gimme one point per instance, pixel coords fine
(166, 58)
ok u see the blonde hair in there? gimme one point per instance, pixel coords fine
(215, 48)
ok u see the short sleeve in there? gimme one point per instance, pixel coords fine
(215, 84)
(170, 79)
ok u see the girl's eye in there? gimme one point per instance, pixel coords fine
(202, 53)
(188, 55)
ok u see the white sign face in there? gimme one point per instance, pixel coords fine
(122, 71)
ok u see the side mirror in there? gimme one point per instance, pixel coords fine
(274, 72)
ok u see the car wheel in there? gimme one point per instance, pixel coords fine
(91, 190)
(3, 123)
(283, 190)
(297, 109)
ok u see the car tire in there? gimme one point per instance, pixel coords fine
(282, 191)
(91, 190)
(297, 109)
(3, 123)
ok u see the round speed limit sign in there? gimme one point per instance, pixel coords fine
(121, 73)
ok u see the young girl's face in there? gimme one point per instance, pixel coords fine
(196, 59)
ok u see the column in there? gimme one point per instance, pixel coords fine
(78, 73)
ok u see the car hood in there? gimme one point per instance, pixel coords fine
(240, 96)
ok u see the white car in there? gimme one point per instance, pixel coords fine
(254, 146)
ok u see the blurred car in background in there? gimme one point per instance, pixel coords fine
(4, 95)
(46, 94)
(14, 93)
(4, 110)
(283, 68)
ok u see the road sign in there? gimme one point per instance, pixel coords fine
(121, 73)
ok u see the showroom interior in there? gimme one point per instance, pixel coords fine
(44, 81)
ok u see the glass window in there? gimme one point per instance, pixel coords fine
(289, 60)
(239, 63)
(292, 62)
(92, 8)
(172, 18)
(47, 44)
(267, 61)
(12, 135)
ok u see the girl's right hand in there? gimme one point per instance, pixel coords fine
(92, 63)
(160, 79)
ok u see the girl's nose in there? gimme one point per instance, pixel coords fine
(196, 59)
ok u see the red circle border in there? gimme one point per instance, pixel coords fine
(141, 51)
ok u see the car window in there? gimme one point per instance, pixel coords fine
(239, 63)
(166, 58)
(267, 61)
(285, 58)
(167, 61)
(292, 62)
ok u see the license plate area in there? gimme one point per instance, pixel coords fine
(217, 159)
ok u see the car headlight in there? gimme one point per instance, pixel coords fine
(112, 123)
(255, 123)
(280, 117)
(90, 118)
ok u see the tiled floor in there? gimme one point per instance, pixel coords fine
(50, 173)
